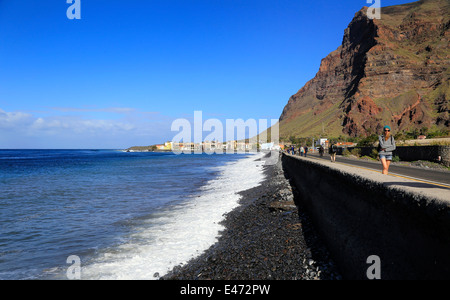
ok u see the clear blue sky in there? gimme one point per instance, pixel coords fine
(121, 74)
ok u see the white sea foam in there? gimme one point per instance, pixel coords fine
(175, 236)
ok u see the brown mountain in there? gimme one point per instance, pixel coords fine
(392, 70)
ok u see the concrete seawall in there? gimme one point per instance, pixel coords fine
(361, 213)
(438, 154)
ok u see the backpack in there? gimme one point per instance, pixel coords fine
(333, 149)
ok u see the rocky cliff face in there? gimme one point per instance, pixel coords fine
(390, 71)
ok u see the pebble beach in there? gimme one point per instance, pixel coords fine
(267, 237)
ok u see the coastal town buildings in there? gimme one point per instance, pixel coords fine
(209, 147)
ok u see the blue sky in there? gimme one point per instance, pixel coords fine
(121, 74)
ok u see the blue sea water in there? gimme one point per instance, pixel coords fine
(111, 208)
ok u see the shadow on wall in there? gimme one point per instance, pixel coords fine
(315, 243)
(357, 218)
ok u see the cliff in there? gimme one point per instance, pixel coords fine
(389, 71)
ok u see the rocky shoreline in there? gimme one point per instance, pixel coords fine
(266, 237)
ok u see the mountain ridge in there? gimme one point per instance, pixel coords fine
(390, 71)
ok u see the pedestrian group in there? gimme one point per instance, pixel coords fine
(386, 147)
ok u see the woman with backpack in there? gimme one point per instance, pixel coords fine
(385, 148)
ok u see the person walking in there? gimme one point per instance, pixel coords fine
(385, 148)
(321, 151)
(332, 151)
(302, 150)
(306, 150)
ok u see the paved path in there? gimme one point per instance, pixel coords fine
(428, 176)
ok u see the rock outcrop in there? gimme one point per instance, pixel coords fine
(392, 70)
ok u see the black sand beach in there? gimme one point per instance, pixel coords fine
(266, 237)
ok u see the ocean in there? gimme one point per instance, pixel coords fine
(121, 215)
